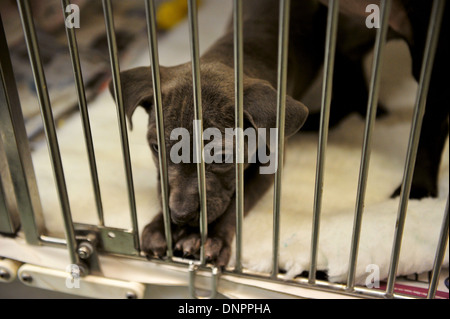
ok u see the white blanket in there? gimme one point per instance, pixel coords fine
(341, 173)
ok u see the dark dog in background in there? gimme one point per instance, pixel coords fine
(307, 30)
(409, 20)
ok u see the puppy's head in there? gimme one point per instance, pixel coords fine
(217, 88)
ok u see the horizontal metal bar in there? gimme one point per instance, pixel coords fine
(193, 32)
(367, 141)
(75, 58)
(52, 241)
(115, 70)
(283, 38)
(330, 48)
(49, 125)
(90, 286)
(261, 283)
(419, 110)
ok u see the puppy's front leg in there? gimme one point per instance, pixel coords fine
(154, 239)
(187, 239)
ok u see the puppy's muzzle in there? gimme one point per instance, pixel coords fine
(184, 209)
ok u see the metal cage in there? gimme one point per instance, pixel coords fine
(89, 247)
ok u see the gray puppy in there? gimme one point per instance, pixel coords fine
(260, 99)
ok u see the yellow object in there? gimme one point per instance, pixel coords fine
(169, 13)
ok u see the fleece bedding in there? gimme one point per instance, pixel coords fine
(390, 139)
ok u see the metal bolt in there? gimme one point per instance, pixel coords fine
(85, 250)
(27, 278)
(130, 295)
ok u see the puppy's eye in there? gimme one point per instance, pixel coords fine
(154, 148)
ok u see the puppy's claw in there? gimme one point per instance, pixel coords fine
(189, 245)
(217, 251)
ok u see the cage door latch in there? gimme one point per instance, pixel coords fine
(193, 268)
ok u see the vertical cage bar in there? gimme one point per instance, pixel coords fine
(198, 128)
(15, 148)
(283, 37)
(440, 254)
(7, 225)
(49, 125)
(9, 218)
(82, 104)
(154, 60)
(367, 142)
(239, 118)
(330, 48)
(115, 69)
(9, 222)
(419, 110)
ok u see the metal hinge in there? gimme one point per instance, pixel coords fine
(87, 286)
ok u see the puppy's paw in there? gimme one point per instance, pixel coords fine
(188, 246)
(217, 249)
(154, 241)
(417, 192)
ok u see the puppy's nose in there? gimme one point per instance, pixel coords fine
(184, 217)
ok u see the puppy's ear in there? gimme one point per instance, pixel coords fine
(260, 108)
(137, 89)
